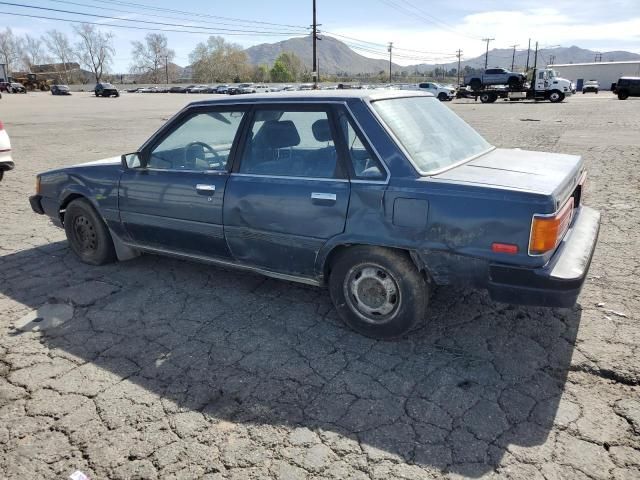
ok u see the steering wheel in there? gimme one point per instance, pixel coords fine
(189, 163)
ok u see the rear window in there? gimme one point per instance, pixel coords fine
(107, 85)
(434, 137)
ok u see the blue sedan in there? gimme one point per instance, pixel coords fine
(378, 195)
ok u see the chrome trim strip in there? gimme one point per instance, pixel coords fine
(284, 177)
(323, 196)
(226, 263)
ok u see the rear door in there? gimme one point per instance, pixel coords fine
(289, 192)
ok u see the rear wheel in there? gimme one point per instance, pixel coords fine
(378, 292)
(623, 95)
(442, 96)
(488, 97)
(87, 234)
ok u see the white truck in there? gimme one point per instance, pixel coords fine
(545, 85)
(441, 92)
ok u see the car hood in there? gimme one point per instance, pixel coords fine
(551, 174)
(105, 161)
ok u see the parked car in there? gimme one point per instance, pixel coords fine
(60, 90)
(494, 76)
(379, 195)
(627, 87)
(222, 89)
(591, 86)
(18, 88)
(233, 90)
(6, 161)
(198, 89)
(5, 87)
(178, 89)
(441, 92)
(105, 90)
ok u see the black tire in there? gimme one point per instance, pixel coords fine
(623, 95)
(583, 92)
(96, 93)
(556, 96)
(475, 84)
(442, 96)
(378, 292)
(87, 234)
(596, 92)
(485, 98)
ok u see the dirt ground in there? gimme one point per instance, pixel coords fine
(168, 369)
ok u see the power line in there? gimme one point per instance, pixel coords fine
(131, 27)
(95, 15)
(249, 23)
(196, 14)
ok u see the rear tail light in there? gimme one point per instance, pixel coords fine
(548, 230)
(1, 125)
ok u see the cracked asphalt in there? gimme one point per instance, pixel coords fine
(158, 368)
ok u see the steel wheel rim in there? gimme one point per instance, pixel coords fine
(84, 234)
(555, 96)
(372, 293)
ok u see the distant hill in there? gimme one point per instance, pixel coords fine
(333, 55)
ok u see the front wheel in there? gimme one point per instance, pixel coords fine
(556, 96)
(623, 95)
(87, 234)
(378, 292)
(442, 96)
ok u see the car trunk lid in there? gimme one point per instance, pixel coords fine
(552, 174)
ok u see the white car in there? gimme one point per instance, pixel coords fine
(6, 162)
(441, 92)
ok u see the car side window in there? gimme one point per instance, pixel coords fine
(364, 165)
(202, 142)
(290, 143)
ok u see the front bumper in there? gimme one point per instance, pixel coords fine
(558, 283)
(36, 204)
(6, 165)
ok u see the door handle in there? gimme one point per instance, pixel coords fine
(327, 197)
(201, 187)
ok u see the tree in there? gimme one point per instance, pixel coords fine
(151, 58)
(260, 74)
(10, 50)
(60, 48)
(32, 51)
(217, 60)
(95, 49)
(292, 64)
(280, 73)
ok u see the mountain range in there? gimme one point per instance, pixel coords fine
(335, 56)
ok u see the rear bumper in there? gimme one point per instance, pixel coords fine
(558, 283)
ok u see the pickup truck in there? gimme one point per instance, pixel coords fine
(494, 76)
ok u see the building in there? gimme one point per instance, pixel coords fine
(605, 73)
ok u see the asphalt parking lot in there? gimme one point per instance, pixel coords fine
(168, 369)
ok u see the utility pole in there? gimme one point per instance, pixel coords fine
(535, 73)
(459, 55)
(528, 53)
(390, 48)
(315, 54)
(598, 58)
(513, 57)
(552, 59)
(166, 68)
(486, 57)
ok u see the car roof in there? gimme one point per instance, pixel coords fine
(314, 95)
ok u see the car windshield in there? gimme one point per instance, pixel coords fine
(107, 85)
(434, 137)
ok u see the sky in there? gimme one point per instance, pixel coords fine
(421, 32)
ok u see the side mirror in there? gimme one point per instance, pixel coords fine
(131, 160)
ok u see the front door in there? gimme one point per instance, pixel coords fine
(289, 192)
(173, 202)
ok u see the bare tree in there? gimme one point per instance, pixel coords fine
(95, 49)
(151, 58)
(10, 50)
(33, 52)
(60, 48)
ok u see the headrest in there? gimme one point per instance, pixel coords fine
(321, 130)
(280, 134)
